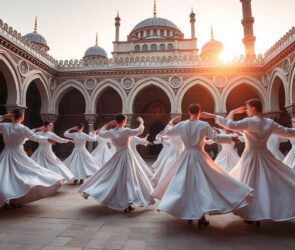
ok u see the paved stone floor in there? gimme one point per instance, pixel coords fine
(66, 221)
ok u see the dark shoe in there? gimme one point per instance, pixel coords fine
(203, 223)
(129, 209)
(75, 181)
(249, 222)
(81, 182)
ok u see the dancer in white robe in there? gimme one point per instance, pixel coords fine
(101, 153)
(121, 182)
(44, 155)
(228, 157)
(272, 181)
(273, 145)
(22, 180)
(173, 150)
(134, 141)
(194, 184)
(165, 141)
(81, 163)
(290, 157)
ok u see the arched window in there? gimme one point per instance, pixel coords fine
(137, 48)
(170, 46)
(154, 47)
(162, 33)
(145, 48)
(162, 47)
(154, 32)
(148, 33)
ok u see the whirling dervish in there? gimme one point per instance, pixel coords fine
(121, 182)
(81, 163)
(194, 184)
(101, 153)
(134, 141)
(164, 140)
(22, 180)
(172, 152)
(290, 157)
(272, 181)
(273, 145)
(44, 155)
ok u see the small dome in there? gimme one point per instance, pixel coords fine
(212, 49)
(155, 22)
(95, 51)
(212, 45)
(36, 38)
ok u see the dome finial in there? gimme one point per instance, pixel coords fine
(212, 34)
(96, 39)
(36, 25)
(155, 8)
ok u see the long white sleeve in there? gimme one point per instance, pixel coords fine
(232, 125)
(34, 137)
(282, 131)
(68, 134)
(58, 139)
(218, 138)
(135, 131)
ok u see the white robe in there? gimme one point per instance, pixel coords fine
(194, 184)
(290, 157)
(228, 157)
(272, 181)
(173, 150)
(273, 145)
(22, 180)
(81, 163)
(101, 153)
(134, 141)
(121, 181)
(45, 157)
(164, 140)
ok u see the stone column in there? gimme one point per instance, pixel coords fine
(291, 110)
(129, 120)
(49, 117)
(174, 115)
(193, 21)
(90, 118)
(10, 108)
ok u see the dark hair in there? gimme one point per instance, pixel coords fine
(194, 108)
(46, 123)
(255, 103)
(17, 113)
(80, 125)
(120, 117)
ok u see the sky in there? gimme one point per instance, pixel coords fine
(70, 26)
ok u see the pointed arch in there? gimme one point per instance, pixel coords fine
(273, 92)
(157, 82)
(64, 88)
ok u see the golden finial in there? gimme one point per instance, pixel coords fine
(212, 34)
(96, 39)
(36, 25)
(155, 8)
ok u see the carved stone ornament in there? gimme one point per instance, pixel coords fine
(127, 83)
(90, 83)
(175, 82)
(286, 66)
(265, 80)
(220, 81)
(52, 84)
(23, 67)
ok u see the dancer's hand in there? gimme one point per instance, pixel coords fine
(236, 139)
(51, 141)
(8, 116)
(140, 120)
(40, 128)
(110, 124)
(175, 120)
(240, 110)
(206, 115)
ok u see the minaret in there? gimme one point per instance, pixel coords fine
(96, 39)
(155, 9)
(212, 33)
(117, 24)
(193, 21)
(247, 22)
(36, 25)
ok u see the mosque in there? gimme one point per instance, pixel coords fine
(156, 73)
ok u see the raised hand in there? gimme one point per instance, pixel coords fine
(141, 121)
(239, 110)
(206, 115)
(236, 139)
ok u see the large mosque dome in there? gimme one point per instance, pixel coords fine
(95, 52)
(212, 49)
(155, 22)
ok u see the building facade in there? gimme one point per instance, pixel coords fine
(155, 73)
